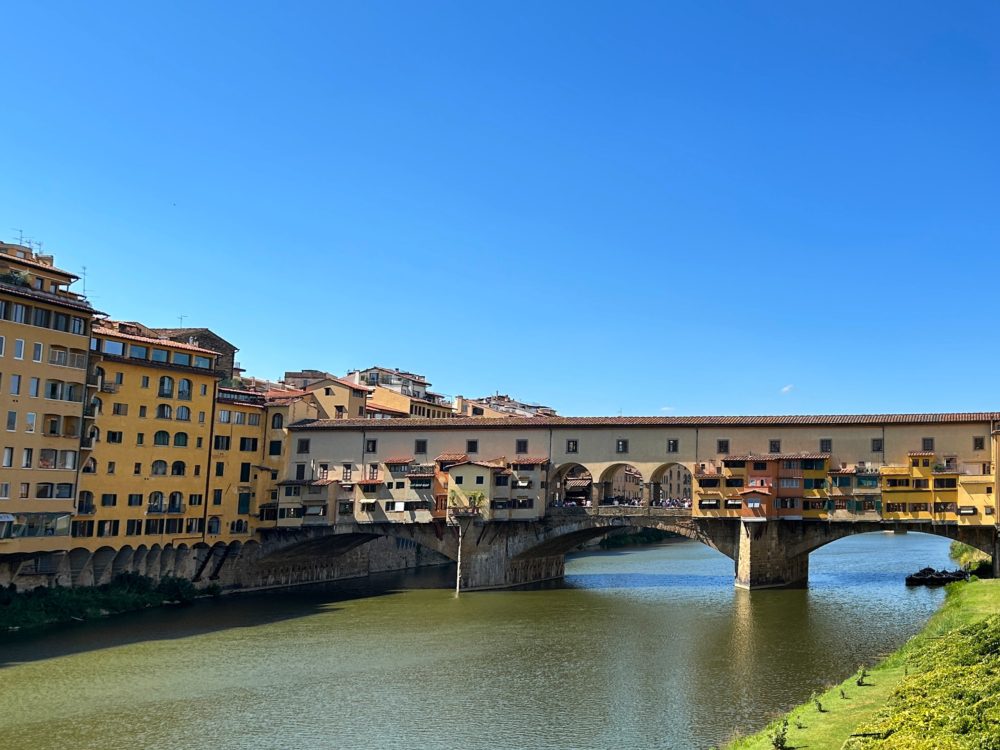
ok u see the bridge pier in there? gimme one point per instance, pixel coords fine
(496, 571)
(763, 559)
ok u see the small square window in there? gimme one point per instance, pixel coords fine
(621, 446)
(673, 446)
(927, 444)
(978, 443)
(722, 446)
(774, 446)
(459, 480)
(479, 479)
(572, 446)
(472, 446)
(521, 446)
(371, 446)
(420, 447)
(877, 445)
(826, 445)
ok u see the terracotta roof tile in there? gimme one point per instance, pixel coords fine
(452, 457)
(399, 460)
(165, 343)
(532, 460)
(793, 420)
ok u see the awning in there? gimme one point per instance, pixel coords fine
(6, 517)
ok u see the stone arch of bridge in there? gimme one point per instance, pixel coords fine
(292, 545)
(565, 538)
(982, 538)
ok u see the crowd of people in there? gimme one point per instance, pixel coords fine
(667, 502)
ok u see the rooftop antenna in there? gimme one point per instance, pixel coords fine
(181, 319)
(83, 278)
(20, 235)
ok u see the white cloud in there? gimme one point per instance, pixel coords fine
(666, 408)
(788, 388)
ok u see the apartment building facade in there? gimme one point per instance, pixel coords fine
(44, 348)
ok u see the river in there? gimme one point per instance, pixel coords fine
(639, 648)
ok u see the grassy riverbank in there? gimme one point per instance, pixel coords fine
(126, 593)
(940, 691)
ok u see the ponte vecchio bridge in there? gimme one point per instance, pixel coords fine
(765, 491)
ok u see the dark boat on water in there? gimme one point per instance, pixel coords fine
(931, 577)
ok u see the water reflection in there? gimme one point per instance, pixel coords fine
(649, 648)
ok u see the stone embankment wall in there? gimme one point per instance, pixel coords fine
(233, 566)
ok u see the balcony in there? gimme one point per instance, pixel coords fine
(86, 510)
(109, 387)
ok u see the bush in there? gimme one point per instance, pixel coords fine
(950, 697)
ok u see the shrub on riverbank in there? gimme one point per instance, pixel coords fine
(127, 592)
(949, 699)
(971, 559)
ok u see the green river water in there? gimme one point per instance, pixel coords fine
(639, 648)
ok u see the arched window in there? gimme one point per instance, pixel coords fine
(184, 389)
(213, 525)
(166, 389)
(99, 376)
(183, 414)
(95, 434)
(159, 468)
(85, 503)
(90, 466)
(177, 469)
(162, 437)
(277, 422)
(163, 411)
(156, 502)
(180, 439)
(96, 405)
(176, 502)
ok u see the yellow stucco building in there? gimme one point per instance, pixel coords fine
(145, 480)
(44, 337)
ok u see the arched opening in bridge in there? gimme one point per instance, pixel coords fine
(572, 486)
(670, 486)
(621, 484)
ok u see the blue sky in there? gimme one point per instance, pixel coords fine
(638, 208)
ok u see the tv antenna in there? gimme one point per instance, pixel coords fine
(181, 319)
(20, 235)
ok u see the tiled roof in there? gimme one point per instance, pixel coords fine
(792, 420)
(166, 343)
(533, 460)
(34, 263)
(52, 299)
(452, 457)
(757, 490)
(577, 482)
(399, 460)
(920, 453)
(373, 408)
(778, 457)
(484, 464)
(848, 470)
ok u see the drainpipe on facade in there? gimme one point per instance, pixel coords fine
(208, 463)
